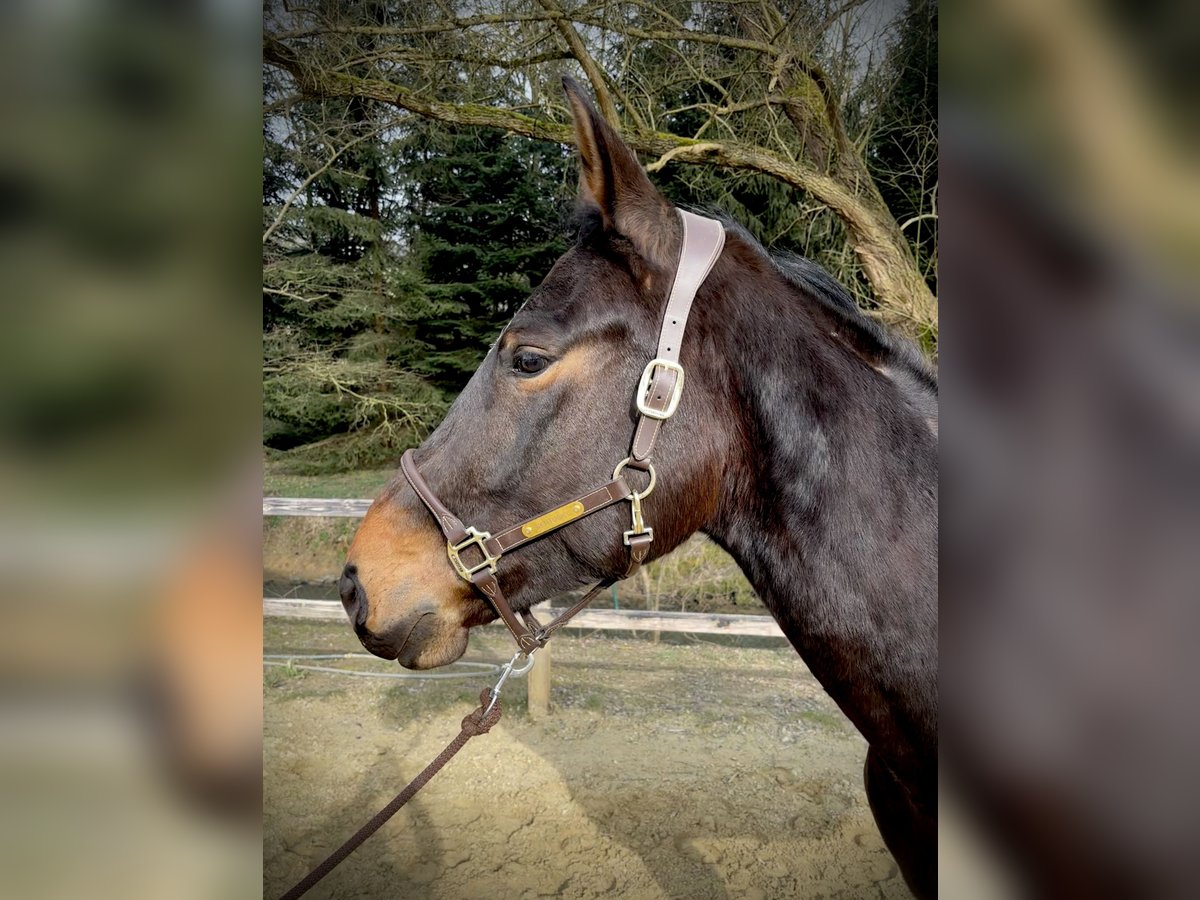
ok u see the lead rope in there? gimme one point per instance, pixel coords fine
(478, 722)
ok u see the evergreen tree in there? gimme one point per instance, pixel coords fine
(388, 276)
(336, 294)
(484, 223)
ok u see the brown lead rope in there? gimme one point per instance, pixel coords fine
(478, 722)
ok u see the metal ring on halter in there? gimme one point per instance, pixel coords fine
(642, 495)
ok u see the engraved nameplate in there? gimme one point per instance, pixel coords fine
(552, 519)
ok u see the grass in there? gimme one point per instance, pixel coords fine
(277, 676)
(350, 485)
(822, 719)
(312, 548)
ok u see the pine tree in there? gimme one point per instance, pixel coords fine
(388, 277)
(485, 222)
(336, 293)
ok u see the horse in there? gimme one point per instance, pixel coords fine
(805, 445)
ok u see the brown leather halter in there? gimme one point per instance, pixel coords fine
(657, 398)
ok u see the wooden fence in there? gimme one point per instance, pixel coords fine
(588, 620)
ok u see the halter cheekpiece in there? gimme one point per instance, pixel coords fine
(657, 398)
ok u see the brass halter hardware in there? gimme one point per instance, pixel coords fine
(476, 539)
(649, 467)
(556, 518)
(643, 389)
(638, 526)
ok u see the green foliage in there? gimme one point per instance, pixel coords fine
(335, 295)
(387, 278)
(313, 394)
(361, 483)
(335, 352)
(345, 452)
(484, 225)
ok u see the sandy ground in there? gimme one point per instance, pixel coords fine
(683, 770)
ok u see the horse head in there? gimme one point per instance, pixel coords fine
(548, 413)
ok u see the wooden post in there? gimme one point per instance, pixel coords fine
(656, 636)
(539, 675)
(539, 684)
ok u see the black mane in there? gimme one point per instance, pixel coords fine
(868, 337)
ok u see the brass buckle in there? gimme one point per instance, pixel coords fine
(643, 388)
(639, 525)
(477, 538)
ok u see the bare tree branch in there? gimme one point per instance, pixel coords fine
(317, 173)
(579, 51)
(770, 106)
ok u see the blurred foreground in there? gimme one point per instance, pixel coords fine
(1071, 363)
(130, 686)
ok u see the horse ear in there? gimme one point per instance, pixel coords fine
(612, 179)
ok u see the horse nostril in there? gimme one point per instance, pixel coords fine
(347, 585)
(353, 597)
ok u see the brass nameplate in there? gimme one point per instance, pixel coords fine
(552, 519)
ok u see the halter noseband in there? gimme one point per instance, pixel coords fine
(657, 398)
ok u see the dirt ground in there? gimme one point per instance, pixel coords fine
(678, 769)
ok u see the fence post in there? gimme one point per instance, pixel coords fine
(539, 676)
(539, 685)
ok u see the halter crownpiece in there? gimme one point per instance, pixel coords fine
(657, 398)
(661, 385)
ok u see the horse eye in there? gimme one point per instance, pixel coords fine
(530, 363)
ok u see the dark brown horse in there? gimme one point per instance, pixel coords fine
(805, 445)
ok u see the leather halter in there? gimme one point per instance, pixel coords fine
(657, 398)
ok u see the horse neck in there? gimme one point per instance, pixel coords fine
(830, 508)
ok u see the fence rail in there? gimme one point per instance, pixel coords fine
(588, 620)
(309, 506)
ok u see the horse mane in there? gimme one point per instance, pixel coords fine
(880, 347)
